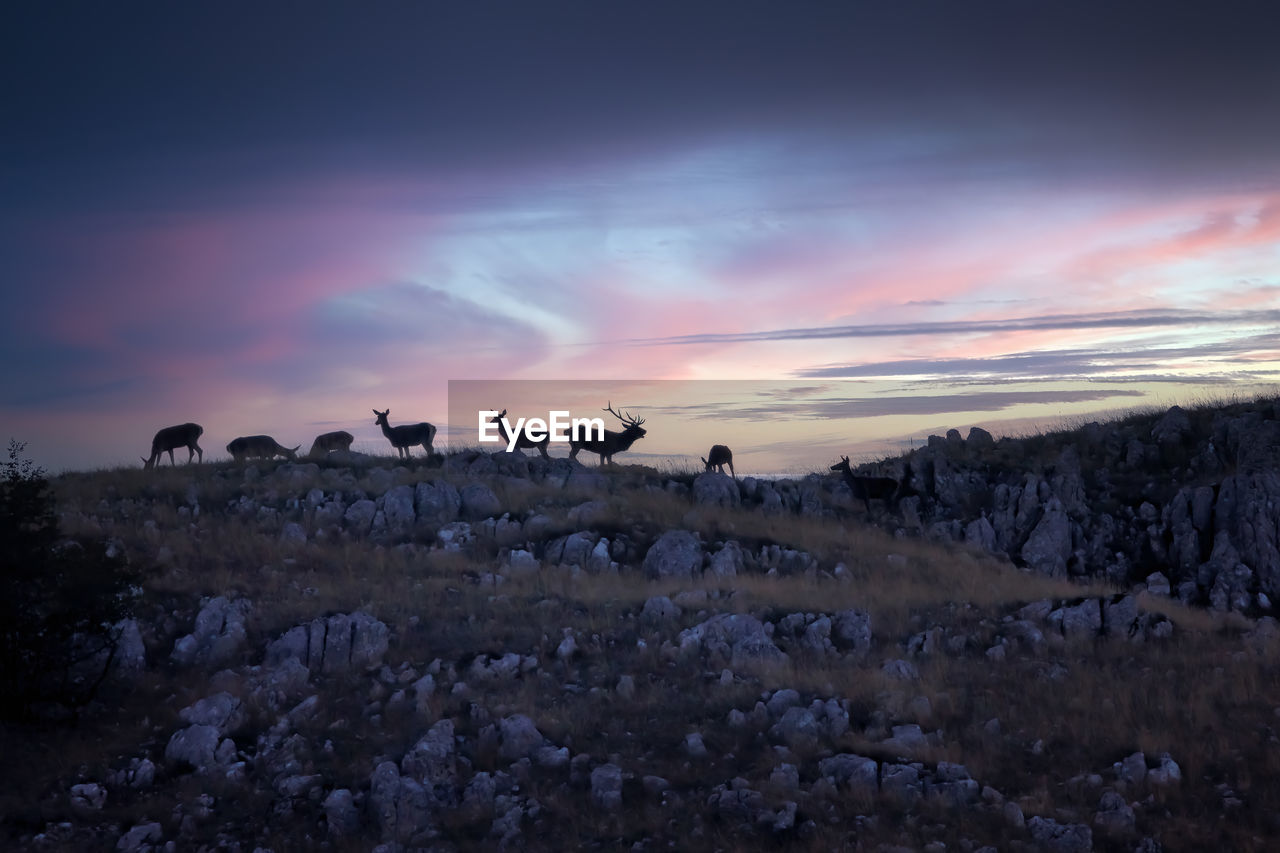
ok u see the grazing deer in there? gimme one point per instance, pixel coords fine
(171, 438)
(613, 442)
(340, 440)
(719, 457)
(522, 440)
(868, 489)
(264, 446)
(407, 436)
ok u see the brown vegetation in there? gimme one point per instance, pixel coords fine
(1065, 712)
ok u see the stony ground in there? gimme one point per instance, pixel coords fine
(501, 652)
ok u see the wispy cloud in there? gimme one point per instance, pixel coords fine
(805, 408)
(1053, 364)
(1056, 322)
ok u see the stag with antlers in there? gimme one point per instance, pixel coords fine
(171, 438)
(613, 442)
(406, 436)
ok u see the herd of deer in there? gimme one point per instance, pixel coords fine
(407, 436)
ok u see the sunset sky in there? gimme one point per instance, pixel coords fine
(272, 218)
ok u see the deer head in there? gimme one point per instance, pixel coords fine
(627, 420)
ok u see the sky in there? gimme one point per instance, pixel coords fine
(273, 218)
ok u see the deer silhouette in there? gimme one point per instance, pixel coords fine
(523, 442)
(718, 457)
(259, 446)
(340, 440)
(406, 436)
(171, 438)
(867, 489)
(613, 442)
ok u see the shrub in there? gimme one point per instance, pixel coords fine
(61, 601)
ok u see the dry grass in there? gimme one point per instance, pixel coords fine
(1205, 697)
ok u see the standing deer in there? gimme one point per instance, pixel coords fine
(613, 442)
(171, 438)
(522, 441)
(719, 457)
(264, 446)
(407, 436)
(340, 440)
(868, 489)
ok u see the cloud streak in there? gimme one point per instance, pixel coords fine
(1055, 364)
(1139, 319)
(916, 405)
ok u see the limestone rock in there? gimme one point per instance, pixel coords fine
(437, 503)
(677, 553)
(606, 786)
(735, 638)
(713, 489)
(219, 635)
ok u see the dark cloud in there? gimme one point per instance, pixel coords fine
(1053, 364)
(1052, 322)
(110, 98)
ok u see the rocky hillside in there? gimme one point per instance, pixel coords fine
(1185, 501)
(508, 652)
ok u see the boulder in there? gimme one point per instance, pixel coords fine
(436, 503)
(195, 745)
(1054, 837)
(333, 644)
(222, 711)
(851, 631)
(856, 773)
(713, 489)
(736, 638)
(359, 517)
(606, 787)
(400, 806)
(219, 635)
(397, 506)
(478, 501)
(1048, 547)
(519, 737)
(432, 762)
(677, 553)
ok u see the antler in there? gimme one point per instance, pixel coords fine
(625, 417)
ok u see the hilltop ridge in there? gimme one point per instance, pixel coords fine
(506, 651)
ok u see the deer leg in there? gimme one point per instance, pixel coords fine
(201, 454)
